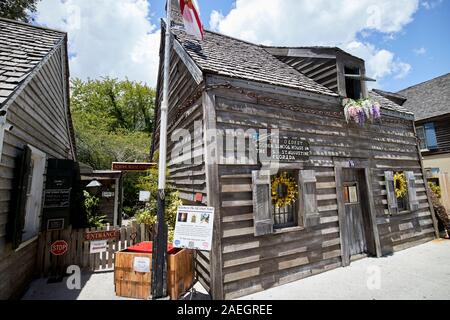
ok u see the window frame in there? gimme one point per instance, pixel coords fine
(295, 206)
(423, 140)
(353, 71)
(404, 200)
(35, 193)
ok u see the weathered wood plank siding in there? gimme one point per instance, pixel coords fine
(250, 263)
(442, 134)
(321, 70)
(40, 118)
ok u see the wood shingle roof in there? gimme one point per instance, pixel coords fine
(387, 104)
(22, 48)
(227, 56)
(429, 99)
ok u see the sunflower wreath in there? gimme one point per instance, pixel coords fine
(400, 185)
(291, 190)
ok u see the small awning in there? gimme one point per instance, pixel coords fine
(359, 77)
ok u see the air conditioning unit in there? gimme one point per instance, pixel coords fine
(428, 173)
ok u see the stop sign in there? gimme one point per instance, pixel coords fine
(58, 248)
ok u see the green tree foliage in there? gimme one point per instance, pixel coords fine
(91, 206)
(113, 122)
(21, 10)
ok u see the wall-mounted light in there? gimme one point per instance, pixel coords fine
(93, 187)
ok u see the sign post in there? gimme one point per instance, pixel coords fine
(159, 274)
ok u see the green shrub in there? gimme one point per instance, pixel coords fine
(91, 206)
(147, 215)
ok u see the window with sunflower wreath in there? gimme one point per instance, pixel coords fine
(401, 191)
(284, 194)
(284, 200)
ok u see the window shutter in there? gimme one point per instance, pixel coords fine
(19, 198)
(412, 191)
(390, 189)
(262, 204)
(430, 133)
(309, 213)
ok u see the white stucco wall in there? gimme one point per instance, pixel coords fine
(441, 161)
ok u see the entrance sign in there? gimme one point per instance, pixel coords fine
(101, 235)
(141, 264)
(99, 246)
(287, 149)
(59, 248)
(132, 166)
(194, 228)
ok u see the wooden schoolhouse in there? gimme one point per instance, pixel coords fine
(337, 199)
(37, 146)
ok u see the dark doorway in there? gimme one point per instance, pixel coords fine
(357, 223)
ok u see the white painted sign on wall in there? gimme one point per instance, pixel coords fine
(194, 228)
(99, 246)
(141, 264)
(144, 196)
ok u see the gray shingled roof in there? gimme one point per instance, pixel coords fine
(235, 58)
(22, 47)
(388, 104)
(429, 99)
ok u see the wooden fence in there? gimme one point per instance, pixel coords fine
(78, 252)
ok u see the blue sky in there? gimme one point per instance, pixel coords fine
(430, 31)
(404, 42)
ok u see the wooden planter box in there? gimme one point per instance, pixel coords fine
(131, 284)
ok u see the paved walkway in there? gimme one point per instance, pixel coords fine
(94, 286)
(420, 273)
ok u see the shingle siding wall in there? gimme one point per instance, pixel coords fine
(39, 117)
(442, 127)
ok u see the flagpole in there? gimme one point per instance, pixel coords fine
(159, 274)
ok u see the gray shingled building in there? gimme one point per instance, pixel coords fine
(430, 103)
(35, 126)
(224, 91)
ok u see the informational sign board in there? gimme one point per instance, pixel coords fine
(59, 248)
(101, 235)
(57, 198)
(141, 264)
(144, 196)
(98, 246)
(194, 228)
(286, 149)
(107, 194)
(55, 224)
(132, 166)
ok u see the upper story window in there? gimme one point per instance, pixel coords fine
(427, 137)
(353, 83)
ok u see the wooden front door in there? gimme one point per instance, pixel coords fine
(354, 211)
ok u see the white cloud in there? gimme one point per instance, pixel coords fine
(380, 63)
(420, 51)
(429, 5)
(106, 38)
(323, 22)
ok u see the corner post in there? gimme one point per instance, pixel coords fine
(213, 190)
